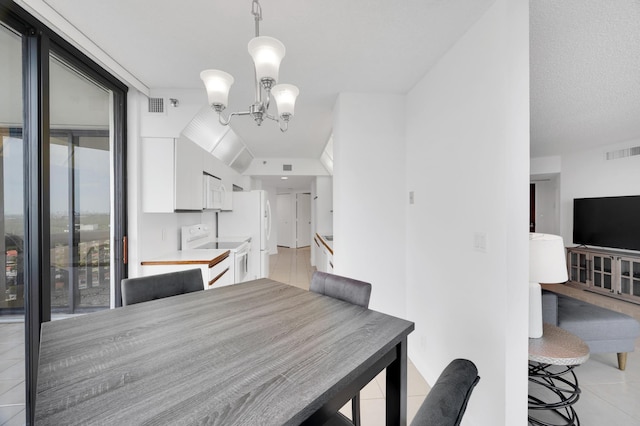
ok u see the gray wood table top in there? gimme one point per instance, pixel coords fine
(260, 352)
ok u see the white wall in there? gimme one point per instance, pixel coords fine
(175, 119)
(589, 174)
(468, 164)
(324, 204)
(369, 196)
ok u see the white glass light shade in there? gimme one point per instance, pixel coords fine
(285, 96)
(218, 84)
(547, 262)
(267, 53)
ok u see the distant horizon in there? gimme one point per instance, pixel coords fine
(91, 169)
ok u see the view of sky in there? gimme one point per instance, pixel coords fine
(92, 178)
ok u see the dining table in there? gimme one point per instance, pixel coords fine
(255, 353)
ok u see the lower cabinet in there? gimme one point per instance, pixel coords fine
(323, 256)
(218, 275)
(609, 272)
(320, 259)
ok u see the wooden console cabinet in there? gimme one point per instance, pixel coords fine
(611, 272)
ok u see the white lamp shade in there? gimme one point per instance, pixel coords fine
(285, 96)
(547, 262)
(267, 53)
(218, 84)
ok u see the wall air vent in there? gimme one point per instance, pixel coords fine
(622, 153)
(156, 105)
(287, 167)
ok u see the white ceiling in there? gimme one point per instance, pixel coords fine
(332, 46)
(585, 74)
(585, 58)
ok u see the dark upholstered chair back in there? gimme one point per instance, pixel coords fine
(351, 291)
(447, 400)
(342, 288)
(143, 289)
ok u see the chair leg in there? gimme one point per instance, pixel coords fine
(355, 409)
(622, 360)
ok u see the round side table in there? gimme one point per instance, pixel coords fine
(552, 359)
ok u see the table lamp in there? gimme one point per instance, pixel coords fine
(547, 264)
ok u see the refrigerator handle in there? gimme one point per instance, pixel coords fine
(268, 213)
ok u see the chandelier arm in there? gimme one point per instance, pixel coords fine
(272, 117)
(228, 120)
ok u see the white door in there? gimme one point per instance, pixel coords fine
(303, 220)
(285, 221)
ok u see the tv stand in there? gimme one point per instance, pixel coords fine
(609, 272)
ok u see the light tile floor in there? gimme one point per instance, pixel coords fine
(12, 391)
(609, 396)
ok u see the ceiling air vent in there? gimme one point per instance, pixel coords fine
(156, 105)
(622, 153)
(287, 168)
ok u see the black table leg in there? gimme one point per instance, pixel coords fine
(397, 387)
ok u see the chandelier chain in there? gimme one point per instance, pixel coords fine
(256, 11)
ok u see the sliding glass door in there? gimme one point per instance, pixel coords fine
(62, 195)
(81, 195)
(12, 216)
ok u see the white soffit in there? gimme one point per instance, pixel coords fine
(205, 129)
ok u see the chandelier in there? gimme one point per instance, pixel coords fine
(267, 53)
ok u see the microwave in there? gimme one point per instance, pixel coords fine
(214, 193)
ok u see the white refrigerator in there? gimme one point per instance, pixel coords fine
(251, 216)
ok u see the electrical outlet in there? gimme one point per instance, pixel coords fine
(411, 199)
(480, 242)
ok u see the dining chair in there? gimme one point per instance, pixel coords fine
(143, 289)
(347, 290)
(447, 400)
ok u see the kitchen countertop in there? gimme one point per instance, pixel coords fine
(323, 239)
(234, 239)
(194, 256)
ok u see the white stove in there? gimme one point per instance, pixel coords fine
(196, 237)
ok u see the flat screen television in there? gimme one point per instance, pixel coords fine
(607, 222)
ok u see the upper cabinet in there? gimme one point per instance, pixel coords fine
(217, 168)
(189, 163)
(172, 175)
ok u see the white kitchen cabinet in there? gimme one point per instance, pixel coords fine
(171, 175)
(218, 275)
(329, 264)
(217, 168)
(321, 261)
